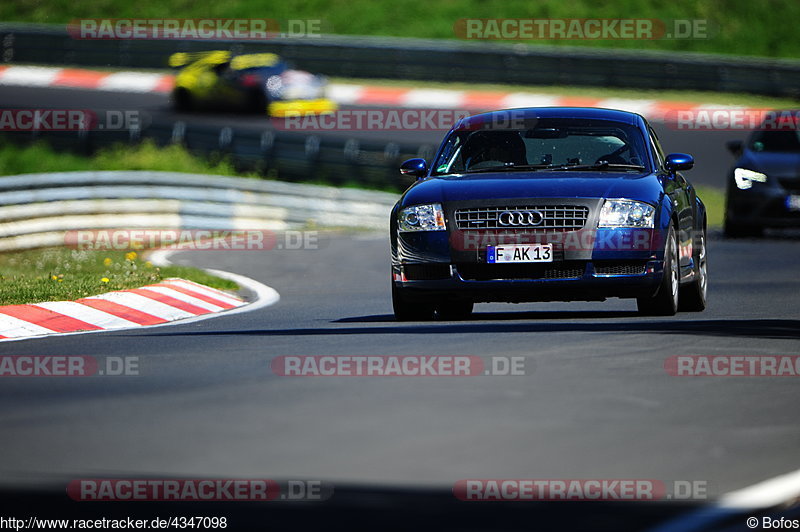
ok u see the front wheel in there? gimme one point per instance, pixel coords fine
(406, 309)
(693, 295)
(182, 100)
(665, 302)
(257, 103)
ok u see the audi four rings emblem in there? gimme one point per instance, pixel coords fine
(520, 218)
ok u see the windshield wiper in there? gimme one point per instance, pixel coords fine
(512, 167)
(599, 166)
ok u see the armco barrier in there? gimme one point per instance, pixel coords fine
(439, 60)
(289, 156)
(37, 210)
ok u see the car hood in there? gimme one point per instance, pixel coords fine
(534, 185)
(778, 164)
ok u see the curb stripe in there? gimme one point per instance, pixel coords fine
(219, 295)
(29, 76)
(16, 328)
(126, 313)
(197, 295)
(192, 310)
(98, 318)
(167, 291)
(156, 308)
(47, 318)
(148, 306)
(87, 79)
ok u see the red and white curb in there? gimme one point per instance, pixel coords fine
(32, 76)
(351, 94)
(158, 304)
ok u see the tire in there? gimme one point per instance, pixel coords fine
(665, 301)
(182, 100)
(406, 309)
(693, 296)
(454, 310)
(257, 103)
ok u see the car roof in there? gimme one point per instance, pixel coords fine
(526, 113)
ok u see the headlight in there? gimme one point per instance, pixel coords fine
(744, 178)
(422, 218)
(275, 86)
(626, 213)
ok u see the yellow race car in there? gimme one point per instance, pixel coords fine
(253, 82)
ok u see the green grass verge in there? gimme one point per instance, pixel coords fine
(61, 274)
(714, 199)
(40, 157)
(742, 27)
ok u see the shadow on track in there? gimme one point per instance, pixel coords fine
(760, 328)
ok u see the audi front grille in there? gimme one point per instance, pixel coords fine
(545, 218)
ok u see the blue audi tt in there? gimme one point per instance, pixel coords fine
(548, 204)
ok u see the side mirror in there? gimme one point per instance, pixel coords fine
(735, 147)
(417, 168)
(676, 162)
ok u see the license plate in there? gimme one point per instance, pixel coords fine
(793, 203)
(519, 253)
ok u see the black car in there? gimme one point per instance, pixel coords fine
(763, 189)
(548, 204)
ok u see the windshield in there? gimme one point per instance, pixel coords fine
(552, 143)
(775, 141)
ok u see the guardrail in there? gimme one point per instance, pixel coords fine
(37, 210)
(440, 60)
(287, 155)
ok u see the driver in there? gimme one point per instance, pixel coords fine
(498, 147)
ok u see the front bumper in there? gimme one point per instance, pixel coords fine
(591, 282)
(282, 108)
(762, 205)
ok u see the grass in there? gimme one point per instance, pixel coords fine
(714, 199)
(741, 27)
(39, 157)
(62, 274)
